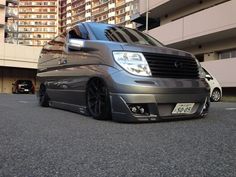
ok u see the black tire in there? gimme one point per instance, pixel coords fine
(216, 95)
(98, 101)
(43, 97)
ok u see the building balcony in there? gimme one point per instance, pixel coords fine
(100, 11)
(10, 40)
(207, 25)
(158, 8)
(99, 4)
(13, 1)
(11, 12)
(2, 3)
(162, 7)
(11, 28)
(120, 3)
(111, 6)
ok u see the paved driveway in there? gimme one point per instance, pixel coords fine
(37, 141)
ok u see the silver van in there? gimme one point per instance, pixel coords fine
(113, 72)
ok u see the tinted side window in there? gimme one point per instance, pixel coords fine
(78, 32)
(115, 33)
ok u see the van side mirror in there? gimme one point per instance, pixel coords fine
(76, 44)
(208, 77)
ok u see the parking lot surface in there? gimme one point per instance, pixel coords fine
(36, 141)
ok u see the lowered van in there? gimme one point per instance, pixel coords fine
(118, 73)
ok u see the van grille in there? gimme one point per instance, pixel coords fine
(172, 66)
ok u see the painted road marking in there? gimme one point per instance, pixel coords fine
(230, 109)
(23, 102)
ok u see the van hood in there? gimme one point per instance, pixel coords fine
(154, 49)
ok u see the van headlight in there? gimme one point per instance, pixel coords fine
(133, 62)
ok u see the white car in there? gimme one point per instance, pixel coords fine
(216, 90)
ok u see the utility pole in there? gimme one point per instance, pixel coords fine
(147, 12)
(17, 32)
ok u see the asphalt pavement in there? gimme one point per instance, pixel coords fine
(49, 142)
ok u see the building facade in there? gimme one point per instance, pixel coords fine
(16, 61)
(8, 20)
(105, 11)
(38, 22)
(206, 28)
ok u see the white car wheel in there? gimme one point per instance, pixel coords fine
(216, 95)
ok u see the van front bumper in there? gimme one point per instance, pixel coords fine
(157, 106)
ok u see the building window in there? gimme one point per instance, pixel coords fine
(227, 54)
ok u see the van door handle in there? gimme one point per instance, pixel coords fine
(62, 61)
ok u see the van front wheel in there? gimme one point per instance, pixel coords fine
(98, 102)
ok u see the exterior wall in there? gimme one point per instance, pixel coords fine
(189, 9)
(152, 4)
(2, 2)
(223, 70)
(12, 55)
(2, 20)
(9, 75)
(214, 46)
(199, 24)
(1, 35)
(17, 62)
(2, 15)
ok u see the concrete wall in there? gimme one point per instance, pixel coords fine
(1, 36)
(9, 75)
(214, 46)
(12, 55)
(223, 70)
(2, 2)
(17, 62)
(152, 4)
(189, 9)
(212, 20)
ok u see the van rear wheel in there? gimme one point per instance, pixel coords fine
(98, 102)
(43, 97)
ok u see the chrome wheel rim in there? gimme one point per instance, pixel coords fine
(216, 95)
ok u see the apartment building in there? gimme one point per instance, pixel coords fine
(104, 11)
(8, 19)
(206, 28)
(16, 61)
(38, 21)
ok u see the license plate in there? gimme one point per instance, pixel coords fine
(183, 108)
(26, 90)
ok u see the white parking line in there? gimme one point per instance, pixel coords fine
(230, 109)
(23, 102)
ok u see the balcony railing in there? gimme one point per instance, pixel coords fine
(10, 40)
(97, 4)
(11, 12)
(11, 28)
(13, 1)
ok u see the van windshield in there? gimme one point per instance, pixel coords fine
(106, 32)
